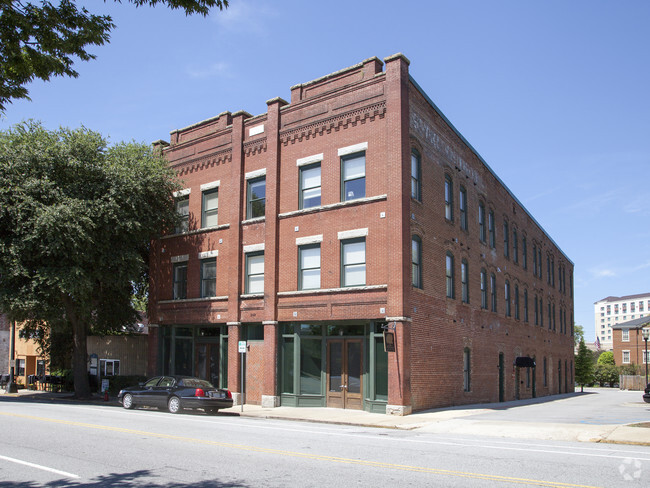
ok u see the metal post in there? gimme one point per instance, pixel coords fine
(241, 395)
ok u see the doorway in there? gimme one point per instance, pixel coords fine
(344, 373)
(207, 362)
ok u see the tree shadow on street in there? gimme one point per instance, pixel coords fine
(141, 479)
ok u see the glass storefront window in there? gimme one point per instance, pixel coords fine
(310, 330)
(209, 332)
(287, 365)
(310, 366)
(345, 330)
(183, 332)
(183, 356)
(381, 370)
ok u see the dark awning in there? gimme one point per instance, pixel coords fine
(524, 362)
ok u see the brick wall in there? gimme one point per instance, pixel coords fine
(388, 112)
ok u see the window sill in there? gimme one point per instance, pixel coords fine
(332, 206)
(192, 300)
(251, 295)
(197, 231)
(256, 220)
(322, 291)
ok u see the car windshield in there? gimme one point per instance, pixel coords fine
(195, 383)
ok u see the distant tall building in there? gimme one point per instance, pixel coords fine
(614, 310)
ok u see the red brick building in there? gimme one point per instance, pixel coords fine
(628, 342)
(356, 210)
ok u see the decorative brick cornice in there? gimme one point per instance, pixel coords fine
(254, 147)
(204, 162)
(335, 122)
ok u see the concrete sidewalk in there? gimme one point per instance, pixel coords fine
(452, 420)
(456, 421)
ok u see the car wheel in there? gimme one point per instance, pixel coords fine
(127, 401)
(174, 404)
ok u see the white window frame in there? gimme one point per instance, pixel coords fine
(625, 356)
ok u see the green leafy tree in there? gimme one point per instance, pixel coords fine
(606, 357)
(606, 374)
(77, 218)
(584, 366)
(40, 39)
(578, 334)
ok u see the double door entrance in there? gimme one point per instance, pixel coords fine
(207, 359)
(344, 373)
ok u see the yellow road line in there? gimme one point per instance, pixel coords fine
(316, 457)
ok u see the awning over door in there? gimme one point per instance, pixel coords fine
(524, 362)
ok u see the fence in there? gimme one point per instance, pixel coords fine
(628, 382)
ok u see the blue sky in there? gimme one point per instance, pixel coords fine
(555, 96)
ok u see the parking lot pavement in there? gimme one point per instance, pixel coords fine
(597, 415)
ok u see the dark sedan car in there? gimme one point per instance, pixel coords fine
(646, 394)
(176, 393)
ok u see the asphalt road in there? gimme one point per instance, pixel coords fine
(65, 444)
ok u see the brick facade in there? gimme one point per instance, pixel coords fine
(378, 110)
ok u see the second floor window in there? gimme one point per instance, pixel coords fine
(517, 302)
(183, 211)
(310, 186)
(309, 260)
(449, 272)
(484, 296)
(180, 281)
(256, 198)
(507, 298)
(416, 262)
(524, 253)
(353, 262)
(464, 283)
(515, 246)
(353, 168)
(210, 208)
(525, 305)
(506, 240)
(493, 291)
(208, 278)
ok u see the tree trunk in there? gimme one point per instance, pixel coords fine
(80, 360)
(79, 351)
